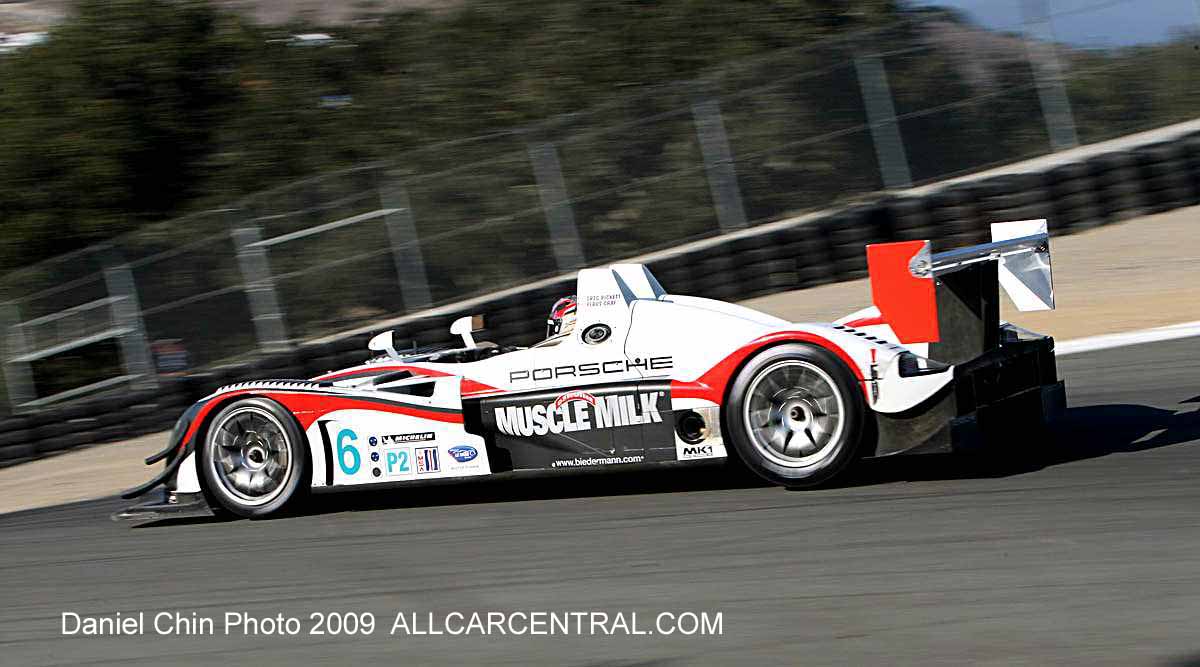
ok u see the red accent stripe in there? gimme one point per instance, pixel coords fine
(377, 370)
(711, 385)
(470, 388)
(307, 408)
(866, 322)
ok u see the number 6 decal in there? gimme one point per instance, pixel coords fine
(344, 450)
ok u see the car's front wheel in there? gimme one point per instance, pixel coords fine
(795, 415)
(253, 460)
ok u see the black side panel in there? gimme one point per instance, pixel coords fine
(968, 303)
(998, 391)
(602, 425)
(1012, 368)
(323, 427)
(924, 429)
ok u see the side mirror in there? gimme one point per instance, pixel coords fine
(463, 326)
(383, 343)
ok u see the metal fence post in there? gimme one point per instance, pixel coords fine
(406, 247)
(881, 116)
(718, 164)
(552, 191)
(269, 324)
(1047, 70)
(18, 378)
(127, 315)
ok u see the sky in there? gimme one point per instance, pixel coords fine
(1096, 23)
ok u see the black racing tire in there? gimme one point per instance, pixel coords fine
(807, 403)
(280, 447)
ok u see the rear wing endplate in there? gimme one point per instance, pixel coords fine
(908, 282)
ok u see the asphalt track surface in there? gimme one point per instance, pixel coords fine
(1086, 554)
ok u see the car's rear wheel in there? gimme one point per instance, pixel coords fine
(795, 415)
(253, 460)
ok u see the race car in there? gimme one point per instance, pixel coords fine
(632, 376)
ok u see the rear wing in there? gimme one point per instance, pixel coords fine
(951, 299)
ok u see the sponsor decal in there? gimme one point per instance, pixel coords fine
(427, 460)
(579, 415)
(376, 472)
(397, 462)
(595, 461)
(373, 441)
(401, 438)
(375, 458)
(592, 369)
(574, 396)
(696, 452)
(463, 453)
(601, 300)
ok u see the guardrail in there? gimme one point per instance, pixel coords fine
(813, 249)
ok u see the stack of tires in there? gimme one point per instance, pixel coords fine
(848, 232)
(1165, 178)
(809, 244)
(1011, 197)
(909, 219)
(145, 415)
(98, 419)
(674, 274)
(764, 264)
(1075, 205)
(715, 272)
(1191, 153)
(60, 430)
(955, 217)
(1118, 186)
(16, 440)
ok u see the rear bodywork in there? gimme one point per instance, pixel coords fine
(642, 379)
(1001, 380)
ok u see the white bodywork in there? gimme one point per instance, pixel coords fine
(644, 376)
(692, 344)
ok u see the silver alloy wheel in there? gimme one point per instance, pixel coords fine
(793, 413)
(251, 456)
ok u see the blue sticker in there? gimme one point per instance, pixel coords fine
(374, 456)
(427, 460)
(463, 453)
(373, 441)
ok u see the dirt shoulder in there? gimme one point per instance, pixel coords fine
(82, 474)
(1138, 274)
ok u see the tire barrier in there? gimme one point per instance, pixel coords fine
(1164, 176)
(1120, 194)
(1012, 197)
(773, 258)
(1074, 202)
(1191, 152)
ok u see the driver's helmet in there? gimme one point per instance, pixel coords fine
(562, 317)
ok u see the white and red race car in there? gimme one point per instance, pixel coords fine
(646, 378)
